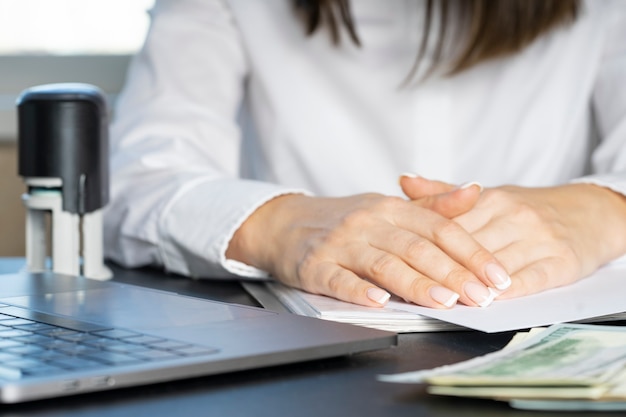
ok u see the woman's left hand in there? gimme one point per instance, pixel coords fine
(544, 237)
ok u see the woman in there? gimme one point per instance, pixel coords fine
(261, 139)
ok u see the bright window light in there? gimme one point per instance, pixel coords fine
(71, 27)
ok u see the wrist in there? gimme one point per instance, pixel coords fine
(254, 242)
(606, 212)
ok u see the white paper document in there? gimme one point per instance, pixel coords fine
(386, 318)
(601, 294)
(599, 297)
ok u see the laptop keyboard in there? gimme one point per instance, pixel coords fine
(34, 347)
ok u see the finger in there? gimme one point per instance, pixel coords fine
(498, 233)
(481, 216)
(550, 272)
(424, 259)
(494, 205)
(456, 243)
(453, 203)
(337, 282)
(518, 255)
(415, 187)
(523, 255)
(334, 281)
(392, 273)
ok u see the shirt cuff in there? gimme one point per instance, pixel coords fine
(613, 181)
(197, 225)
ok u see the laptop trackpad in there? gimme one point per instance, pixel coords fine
(135, 307)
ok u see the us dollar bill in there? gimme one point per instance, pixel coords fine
(563, 361)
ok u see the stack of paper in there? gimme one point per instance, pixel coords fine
(387, 318)
(564, 367)
(597, 298)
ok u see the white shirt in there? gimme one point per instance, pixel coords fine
(334, 121)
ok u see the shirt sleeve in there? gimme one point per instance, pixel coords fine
(176, 199)
(608, 161)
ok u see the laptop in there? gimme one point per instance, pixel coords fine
(65, 335)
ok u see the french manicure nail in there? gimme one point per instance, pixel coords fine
(444, 296)
(479, 294)
(409, 175)
(377, 295)
(470, 184)
(498, 276)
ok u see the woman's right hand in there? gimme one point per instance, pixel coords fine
(363, 247)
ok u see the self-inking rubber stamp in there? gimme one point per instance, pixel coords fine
(63, 159)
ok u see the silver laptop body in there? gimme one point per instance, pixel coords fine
(62, 335)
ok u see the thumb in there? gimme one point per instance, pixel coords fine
(416, 187)
(453, 203)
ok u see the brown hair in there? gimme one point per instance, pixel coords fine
(491, 28)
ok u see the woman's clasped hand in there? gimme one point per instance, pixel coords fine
(444, 244)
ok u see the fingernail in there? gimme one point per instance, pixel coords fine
(470, 184)
(498, 276)
(479, 294)
(444, 296)
(377, 295)
(409, 175)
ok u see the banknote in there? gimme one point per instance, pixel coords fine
(612, 399)
(520, 392)
(562, 355)
(519, 337)
(563, 367)
(568, 405)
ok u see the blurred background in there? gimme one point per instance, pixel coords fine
(47, 41)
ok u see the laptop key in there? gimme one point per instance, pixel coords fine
(25, 350)
(97, 341)
(5, 334)
(79, 350)
(51, 355)
(169, 345)
(114, 358)
(8, 372)
(116, 333)
(7, 343)
(56, 344)
(144, 339)
(34, 338)
(33, 326)
(23, 363)
(7, 356)
(16, 322)
(156, 354)
(125, 348)
(43, 370)
(57, 331)
(76, 363)
(75, 337)
(195, 351)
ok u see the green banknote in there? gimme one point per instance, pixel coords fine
(562, 367)
(562, 355)
(562, 362)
